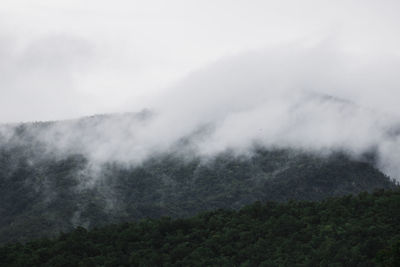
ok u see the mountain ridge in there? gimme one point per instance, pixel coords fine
(43, 192)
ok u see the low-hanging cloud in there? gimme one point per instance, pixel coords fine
(38, 78)
(317, 98)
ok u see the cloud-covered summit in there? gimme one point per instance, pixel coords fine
(316, 98)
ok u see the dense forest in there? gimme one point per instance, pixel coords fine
(54, 195)
(361, 230)
(43, 192)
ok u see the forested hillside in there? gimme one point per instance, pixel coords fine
(361, 230)
(42, 194)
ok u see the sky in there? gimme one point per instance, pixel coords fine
(317, 76)
(65, 59)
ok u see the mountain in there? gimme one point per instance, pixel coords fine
(361, 230)
(43, 192)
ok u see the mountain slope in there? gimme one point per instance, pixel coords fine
(41, 195)
(362, 230)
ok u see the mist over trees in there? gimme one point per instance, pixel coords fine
(229, 105)
(44, 192)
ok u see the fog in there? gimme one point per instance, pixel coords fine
(317, 76)
(67, 59)
(314, 98)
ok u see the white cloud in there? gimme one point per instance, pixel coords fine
(144, 47)
(190, 62)
(298, 96)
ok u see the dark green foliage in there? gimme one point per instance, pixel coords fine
(43, 192)
(42, 195)
(361, 230)
(389, 256)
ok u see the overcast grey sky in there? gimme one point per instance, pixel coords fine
(68, 58)
(251, 71)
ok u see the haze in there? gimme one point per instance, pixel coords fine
(311, 75)
(65, 59)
